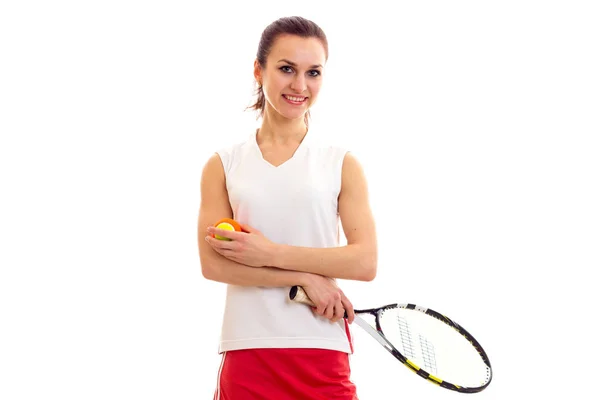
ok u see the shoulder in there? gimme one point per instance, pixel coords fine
(227, 154)
(232, 148)
(323, 144)
(352, 168)
(337, 148)
(219, 161)
(213, 168)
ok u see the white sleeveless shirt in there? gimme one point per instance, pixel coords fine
(295, 203)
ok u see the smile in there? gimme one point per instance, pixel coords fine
(294, 99)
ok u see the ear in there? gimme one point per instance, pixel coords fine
(257, 72)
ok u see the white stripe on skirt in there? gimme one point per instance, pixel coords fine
(218, 391)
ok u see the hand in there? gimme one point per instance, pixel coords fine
(329, 299)
(249, 247)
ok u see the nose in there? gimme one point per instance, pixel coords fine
(299, 83)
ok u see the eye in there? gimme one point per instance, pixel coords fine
(314, 73)
(286, 69)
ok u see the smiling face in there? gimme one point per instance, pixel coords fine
(292, 76)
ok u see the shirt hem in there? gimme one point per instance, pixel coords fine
(271, 343)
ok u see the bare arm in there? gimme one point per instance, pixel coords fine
(358, 259)
(214, 205)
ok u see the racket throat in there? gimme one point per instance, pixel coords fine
(374, 333)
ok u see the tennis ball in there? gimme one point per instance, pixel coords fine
(227, 224)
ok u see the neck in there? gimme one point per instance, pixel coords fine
(277, 129)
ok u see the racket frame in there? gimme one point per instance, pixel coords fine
(377, 334)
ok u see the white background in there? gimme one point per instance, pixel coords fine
(476, 123)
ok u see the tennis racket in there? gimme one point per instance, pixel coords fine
(427, 342)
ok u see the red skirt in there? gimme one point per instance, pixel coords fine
(285, 374)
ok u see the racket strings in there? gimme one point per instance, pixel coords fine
(427, 348)
(428, 354)
(405, 336)
(434, 346)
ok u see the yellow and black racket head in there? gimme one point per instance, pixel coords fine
(430, 344)
(435, 347)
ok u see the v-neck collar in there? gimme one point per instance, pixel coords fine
(254, 138)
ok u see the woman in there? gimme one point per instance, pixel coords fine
(289, 191)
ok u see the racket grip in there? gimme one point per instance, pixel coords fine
(298, 295)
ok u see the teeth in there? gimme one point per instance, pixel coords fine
(298, 99)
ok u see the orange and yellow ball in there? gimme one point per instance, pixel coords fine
(227, 224)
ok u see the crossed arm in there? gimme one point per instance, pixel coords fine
(276, 264)
(251, 259)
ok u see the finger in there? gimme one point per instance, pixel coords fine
(219, 232)
(231, 255)
(329, 311)
(339, 312)
(231, 235)
(219, 244)
(218, 250)
(349, 308)
(249, 229)
(320, 308)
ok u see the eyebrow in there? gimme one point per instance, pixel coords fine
(293, 64)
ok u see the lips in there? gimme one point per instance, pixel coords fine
(295, 99)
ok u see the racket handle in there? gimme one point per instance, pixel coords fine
(298, 295)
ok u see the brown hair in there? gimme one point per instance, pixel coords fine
(287, 25)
